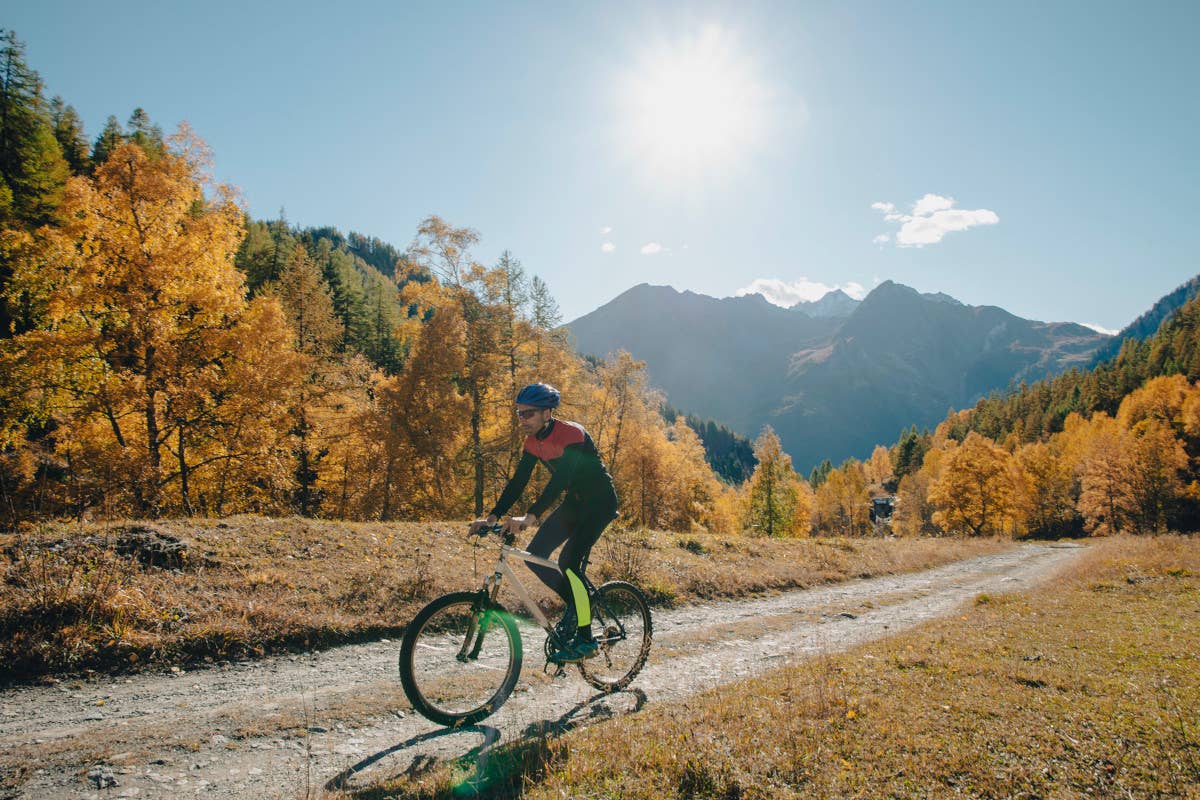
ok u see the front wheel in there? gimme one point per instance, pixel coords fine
(622, 627)
(460, 658)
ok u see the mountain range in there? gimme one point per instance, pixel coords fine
(833, 377)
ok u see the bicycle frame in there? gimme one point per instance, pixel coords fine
(491, 584)
(491, 587)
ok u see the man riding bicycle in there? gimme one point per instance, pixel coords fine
(590, 503)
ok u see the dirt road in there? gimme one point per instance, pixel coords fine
(296, 726)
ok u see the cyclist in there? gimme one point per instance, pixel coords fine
(590, 503)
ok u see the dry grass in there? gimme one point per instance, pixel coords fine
(251, 585)
(1086, 688)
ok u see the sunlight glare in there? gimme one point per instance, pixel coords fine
(693, 107)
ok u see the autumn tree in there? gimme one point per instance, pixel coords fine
(623, 389)
(773, 492)
(546, 319)
(1106, 496)
(445, 252)
(317, 338)
(975, 491)
(1158, 460)
(841, 504)
(1045, 483)
(878, 470)
(914, 511)
(145, 319)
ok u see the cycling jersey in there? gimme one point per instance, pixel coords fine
(570, 455)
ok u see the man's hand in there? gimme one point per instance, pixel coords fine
(518, 524)
(480, 524)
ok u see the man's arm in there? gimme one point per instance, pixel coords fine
(516, 485)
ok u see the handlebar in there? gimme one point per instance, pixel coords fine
(498, 529)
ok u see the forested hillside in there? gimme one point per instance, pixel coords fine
(1108, 450)
(1148, 323)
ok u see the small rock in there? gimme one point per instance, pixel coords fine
(848, 615)
(102, 777)
(217, 738)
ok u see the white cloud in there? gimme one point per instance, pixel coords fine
(932, 217)
(650, 248)
(783, 293)
(882, 238)
(932, 203)
(607, 247)
(605, 231)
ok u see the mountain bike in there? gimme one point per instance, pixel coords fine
(461, 655)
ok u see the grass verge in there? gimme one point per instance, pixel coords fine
(1085, 688)
(72, 600)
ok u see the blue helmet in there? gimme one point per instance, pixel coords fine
(540, 395)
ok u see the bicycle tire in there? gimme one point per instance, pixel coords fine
(626, 632)
(452, 676)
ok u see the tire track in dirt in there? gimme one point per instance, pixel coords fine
(293, 726)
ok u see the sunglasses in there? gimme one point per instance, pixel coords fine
(528, 412)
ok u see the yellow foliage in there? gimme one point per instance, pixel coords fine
(975, 493)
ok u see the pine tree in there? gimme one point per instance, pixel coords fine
(68, 130)
(31, 163)
(318, 336)
(109, 138)
(145, 134)
(773, 491)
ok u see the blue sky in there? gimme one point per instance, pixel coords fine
(1039, 156)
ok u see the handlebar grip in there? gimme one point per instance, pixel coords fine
(498, 529)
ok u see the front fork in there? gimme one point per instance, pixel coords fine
(480, 621)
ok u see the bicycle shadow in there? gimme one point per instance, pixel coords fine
(493, 767)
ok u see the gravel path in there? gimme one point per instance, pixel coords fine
(292, 727)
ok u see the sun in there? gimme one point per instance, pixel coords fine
(692, 107)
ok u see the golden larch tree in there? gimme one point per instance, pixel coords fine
(975, 492)
(141, 326)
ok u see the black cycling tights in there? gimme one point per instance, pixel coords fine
(576, 530)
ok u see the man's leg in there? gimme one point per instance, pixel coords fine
(583, 536)
(550, 534)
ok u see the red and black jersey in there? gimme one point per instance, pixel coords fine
(570, 455)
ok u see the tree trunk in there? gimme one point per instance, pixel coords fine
(183, 477)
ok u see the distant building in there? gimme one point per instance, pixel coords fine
(882, 508)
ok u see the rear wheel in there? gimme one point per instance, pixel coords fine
(622, 628)
(460, 658)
